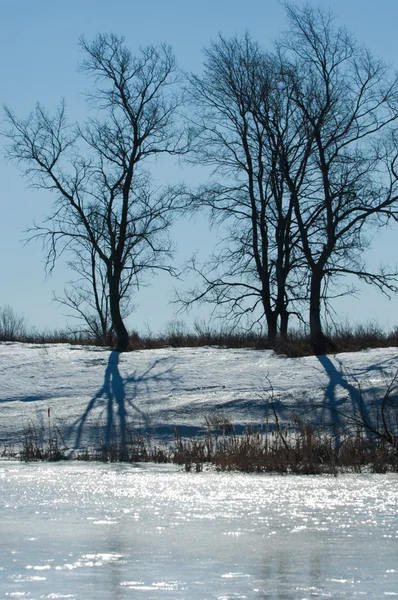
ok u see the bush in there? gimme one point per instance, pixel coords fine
(12, 326)
(176, 335)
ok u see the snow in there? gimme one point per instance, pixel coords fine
(88, 392)
(87, 389)
(94, 531)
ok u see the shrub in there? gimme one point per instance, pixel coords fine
(12, 325)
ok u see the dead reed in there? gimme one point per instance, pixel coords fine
(297, 449)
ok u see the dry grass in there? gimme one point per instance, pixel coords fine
(297, 449)
(37, 445)
(296, 344)
(305, 451)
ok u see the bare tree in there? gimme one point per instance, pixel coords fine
(342, 177)
(106, 208)
(87, 297)
(304, 144)
(257, 268)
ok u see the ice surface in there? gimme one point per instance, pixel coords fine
(92, 531)
(89, 392)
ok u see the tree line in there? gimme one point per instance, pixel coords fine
(301, 140)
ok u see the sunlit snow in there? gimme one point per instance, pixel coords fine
(92, 531)
(89, 393)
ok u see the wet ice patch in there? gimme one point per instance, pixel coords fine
(57, 596)
(165, 586)
(91, 560)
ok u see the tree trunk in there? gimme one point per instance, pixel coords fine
(272, 327)
(281, 310)
(318, 339)
(121, 333)
(284, 321)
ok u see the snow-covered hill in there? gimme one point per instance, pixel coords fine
(88, 392)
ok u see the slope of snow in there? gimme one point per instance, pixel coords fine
(89, 392)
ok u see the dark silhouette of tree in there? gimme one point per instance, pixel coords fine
(258, 264)
(87, 297)
(106, 208)
(304, 142)
(342, 177)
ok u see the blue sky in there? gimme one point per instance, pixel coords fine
(39, 56)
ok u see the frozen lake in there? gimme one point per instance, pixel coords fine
(93, 531)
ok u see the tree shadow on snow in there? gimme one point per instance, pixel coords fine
(351, 404)
(118, 396)
(332, 403)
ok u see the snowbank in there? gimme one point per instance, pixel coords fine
(89, 392)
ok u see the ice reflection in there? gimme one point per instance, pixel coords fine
(115, 532)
